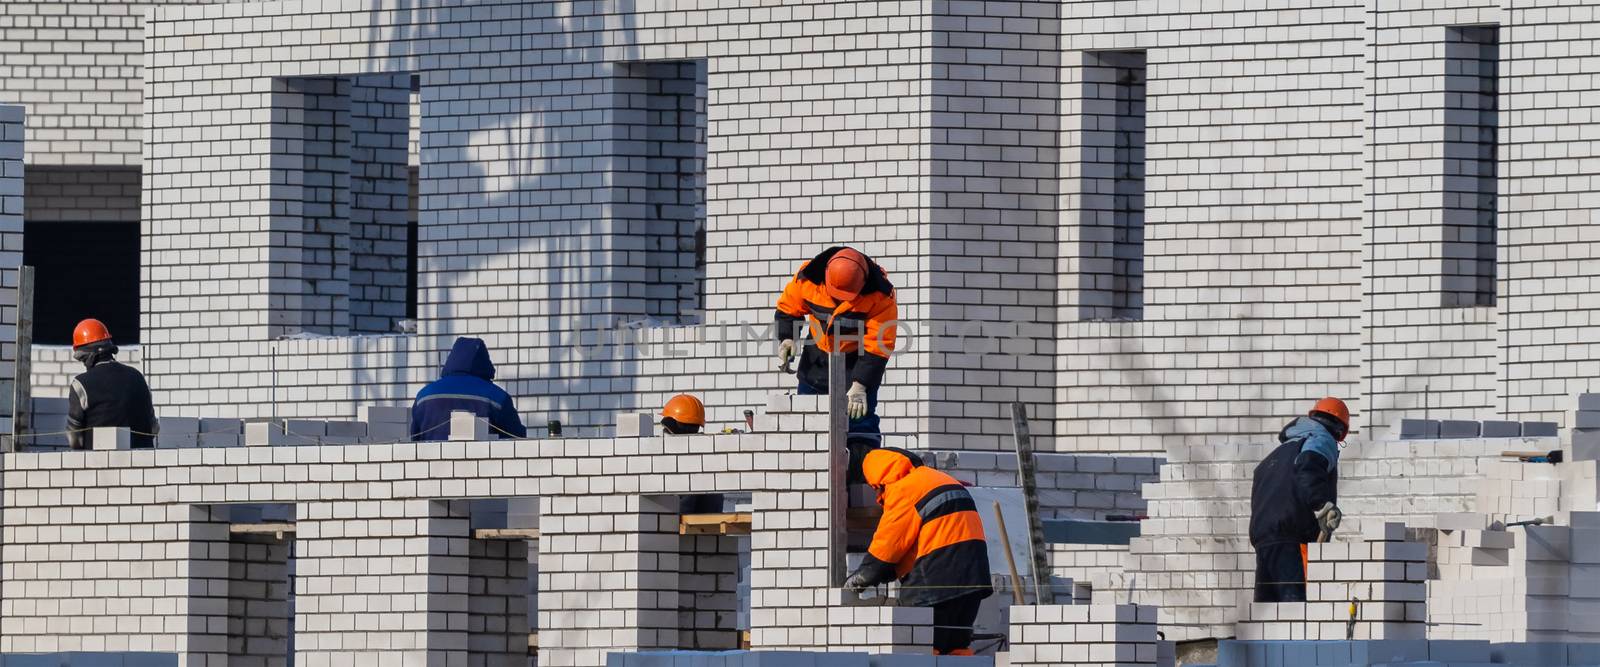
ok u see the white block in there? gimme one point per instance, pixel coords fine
(178, 425)
(634, 424)
(388, 432)
(467, 426)
(342, 429)
(385, 414)
(112, 437)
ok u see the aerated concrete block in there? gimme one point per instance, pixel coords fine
(1540, 429)
(1456, 428)
(1417, 429)
(385, 414)
(112, 438)
(1501, 429)
(467, 426)
(634, 424)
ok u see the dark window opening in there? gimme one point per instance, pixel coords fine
(1472, 57)
(661, 140)
(1112, 233)
(81, 270)
(344, 159)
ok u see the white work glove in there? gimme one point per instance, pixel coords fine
(857, 401)
(785, 352)
(1328, 517)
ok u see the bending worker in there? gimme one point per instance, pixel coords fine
(848, 304)
(931, 539)
(1293, 498)
(465, 384)
(107, 393)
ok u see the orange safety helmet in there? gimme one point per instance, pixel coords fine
(685, 409)
(1335, 408)
(89, 331)
(847, 274)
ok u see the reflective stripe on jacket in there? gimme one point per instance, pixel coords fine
(857, 325)
(930, 536)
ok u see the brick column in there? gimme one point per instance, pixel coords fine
(608, 576)
(380, 581)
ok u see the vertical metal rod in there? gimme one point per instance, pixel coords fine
(1011, 561)
(1043, 593)
(22, 384)
(838, 462)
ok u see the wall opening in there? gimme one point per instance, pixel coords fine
(660, 132)
(1471, 114)
(261, 585)
(81, 235)
(714, 565)
(345, 199)
(1112, 214)
(502, 590)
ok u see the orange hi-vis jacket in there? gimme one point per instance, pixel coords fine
(930, 536)
(848, 327)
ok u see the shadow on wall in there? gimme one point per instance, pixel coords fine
(537, 202)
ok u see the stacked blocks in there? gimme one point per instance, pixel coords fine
(1087, 635)
(1382, 574)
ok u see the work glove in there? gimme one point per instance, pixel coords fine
(857, 401)
(857, 582)
(785, 352)
(1328, 518)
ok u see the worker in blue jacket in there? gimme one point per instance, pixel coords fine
(1293, 496)
(465, 384)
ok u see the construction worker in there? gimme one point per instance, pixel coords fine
(107, 393)
(683, 415)
(848, 303)
(931, 539)
(1293, 498)
(464, 384)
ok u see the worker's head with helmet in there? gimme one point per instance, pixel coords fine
(846, 275)
(91, 339)
(1333, 414)
(682, 415)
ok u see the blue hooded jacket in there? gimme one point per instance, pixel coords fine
(464, 384)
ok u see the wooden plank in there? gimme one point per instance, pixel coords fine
(1023, 442)
(506, 533)
(278, 529)
(716, 523)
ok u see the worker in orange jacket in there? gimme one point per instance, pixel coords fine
(931, 539)
(848, 305)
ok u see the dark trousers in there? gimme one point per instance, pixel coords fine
(1280, 574)
(867, 425)
(952, 622)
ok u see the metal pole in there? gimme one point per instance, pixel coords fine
(1043, 593)
(838, 462)
(22, 385)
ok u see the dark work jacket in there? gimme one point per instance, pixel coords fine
(110, 394)
(806, 308)
(464, 385)
(1292, 483)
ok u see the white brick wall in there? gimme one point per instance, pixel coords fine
(12, 124)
